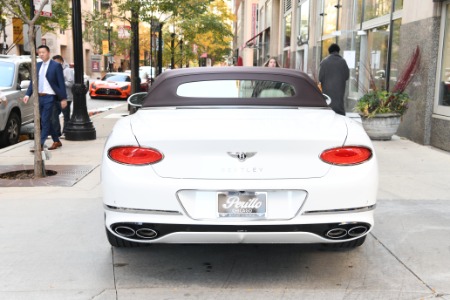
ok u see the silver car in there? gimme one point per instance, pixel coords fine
(14, 80)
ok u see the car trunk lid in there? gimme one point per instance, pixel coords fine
(239, 143)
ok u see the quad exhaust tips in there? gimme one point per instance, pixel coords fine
(139, 233)
(347, 231)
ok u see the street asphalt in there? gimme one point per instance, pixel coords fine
(54, 244)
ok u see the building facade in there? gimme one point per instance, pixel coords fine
(375, 36)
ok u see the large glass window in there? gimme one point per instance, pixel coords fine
(444, 82)
(303, 23)
(378, 8)
(330, 15)
(268, 16)
(287, 29)
(375, 62)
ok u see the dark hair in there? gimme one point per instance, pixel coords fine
(45, 47)
(58, 57)
(334, 48)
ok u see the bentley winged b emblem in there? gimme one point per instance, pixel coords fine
(241, 156)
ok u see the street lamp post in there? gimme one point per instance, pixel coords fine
(108, 27)
(80, 127)
(160, 48)
(172, 50)
(181, 50)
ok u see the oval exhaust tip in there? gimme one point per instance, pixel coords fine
(336, 233)
(146, 233)
(124, 231)
(357, 231)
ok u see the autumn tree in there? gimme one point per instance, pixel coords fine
(209, 32)
(21, 9)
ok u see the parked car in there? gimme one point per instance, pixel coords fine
(207, 160)
(115, 85)
(143, 77)
(14, 80)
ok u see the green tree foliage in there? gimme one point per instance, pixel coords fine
(211, 32)
(95, 32)
(61, 14)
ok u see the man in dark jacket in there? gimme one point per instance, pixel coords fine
(51, 90)
(333, 75)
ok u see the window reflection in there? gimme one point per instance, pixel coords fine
(304, 22)
(378, 8)
(287, 30)
(444, 95)
(330, 17)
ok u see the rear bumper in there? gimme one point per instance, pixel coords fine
(173, 227)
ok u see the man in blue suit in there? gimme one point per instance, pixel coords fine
(52, 91)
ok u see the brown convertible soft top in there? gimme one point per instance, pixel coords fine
(163, 92)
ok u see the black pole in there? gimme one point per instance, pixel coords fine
(181, 52)
(172, 51)
(31, 17)
(160, 48)
(135, 80)
(389, 54)
(151, 51)
(80, 127)
(109, 47)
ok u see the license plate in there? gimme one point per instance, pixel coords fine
(242, 204)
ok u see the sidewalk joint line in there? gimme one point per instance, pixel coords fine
(114, 271)
(405, 266)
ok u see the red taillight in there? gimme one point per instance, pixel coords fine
(350, 155)
(132, 155)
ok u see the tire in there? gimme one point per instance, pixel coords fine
(347, 245)
(11, 134)
(121, 243)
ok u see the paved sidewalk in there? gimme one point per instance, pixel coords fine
(54, 245)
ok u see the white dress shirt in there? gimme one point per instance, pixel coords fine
(47, 89)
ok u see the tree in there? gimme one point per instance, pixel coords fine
(210, 31)
(160, 10)
(16, 8)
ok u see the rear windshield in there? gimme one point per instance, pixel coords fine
(236, 89)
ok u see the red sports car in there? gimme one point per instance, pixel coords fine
(112, 85)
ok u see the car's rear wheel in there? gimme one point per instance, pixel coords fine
(347, 245)
(121, 243)
(10, 135)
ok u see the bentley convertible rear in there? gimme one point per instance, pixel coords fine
(203, 164)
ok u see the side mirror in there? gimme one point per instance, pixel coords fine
(327, 99)
(24, 84)
(136, 100)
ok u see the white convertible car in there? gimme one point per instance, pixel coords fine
(237, 155)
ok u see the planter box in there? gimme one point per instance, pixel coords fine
(381, 127)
